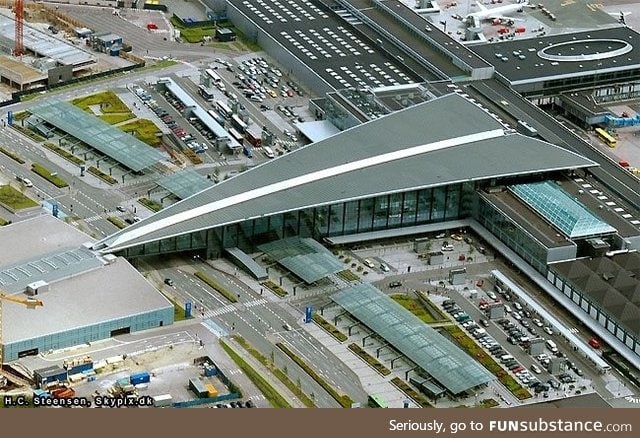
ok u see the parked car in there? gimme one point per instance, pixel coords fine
(169, 282)
(395, 284)
(368, 263)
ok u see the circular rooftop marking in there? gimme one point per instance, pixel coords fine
(590, 50)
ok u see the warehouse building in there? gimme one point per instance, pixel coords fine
(86, 297)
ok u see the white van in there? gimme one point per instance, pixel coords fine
(268, 152)
(551, 345)
(506, 358)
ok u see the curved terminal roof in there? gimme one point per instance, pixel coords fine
(443, 141)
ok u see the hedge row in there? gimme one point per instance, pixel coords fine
(29, 133)
(275, 288)
(329, 328)
(46, 174)
(276, 372)
(411, 393)
(64, 154)
(103, 176)
(269, 392)
(474, 350)
(372, 361)
(348, 275)
(344, 400)
(12, 155)
(117, 222)
(216, 286)
(192, 156)
(150, 204)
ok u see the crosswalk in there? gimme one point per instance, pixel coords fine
(232, 308)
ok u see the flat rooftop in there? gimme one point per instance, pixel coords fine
(27, 241)
(47, 46)
(564, 55)
(585, 102)
(83, 300)
(336, 51)
(613, 211)
(19, 71)
(419, 26)
(522, 215)
(77, 299)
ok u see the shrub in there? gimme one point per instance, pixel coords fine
(192, 156)
(275, 288)
(348, 275)
(150, 204)
(333, 331)
(103, 176)
(411, 393)
(216, 286)
(46, 174)
(64, 154)
(29, 133)
(117, 222)
(372, 361)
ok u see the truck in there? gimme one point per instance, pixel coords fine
(162, 400)
(143, 377)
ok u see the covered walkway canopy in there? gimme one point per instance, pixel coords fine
(423, 345)
(109, 140)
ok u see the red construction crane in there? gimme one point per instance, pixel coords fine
(19, 47)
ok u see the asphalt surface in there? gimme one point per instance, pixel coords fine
(609, 172)
(261, 321)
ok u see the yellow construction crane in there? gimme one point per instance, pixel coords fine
(31, 303)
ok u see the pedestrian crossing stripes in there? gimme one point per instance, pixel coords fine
(256, 302)
(232, 308)
(92, 219)
(574, 330)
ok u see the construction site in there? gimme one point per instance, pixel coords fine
(41, 46)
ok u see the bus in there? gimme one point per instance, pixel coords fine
(375, 401)
(213, 76)
(206, 94)
(217, 117)
(236, 135)
(224, 109)
(254, 138)
(606, 138)
(237, 123)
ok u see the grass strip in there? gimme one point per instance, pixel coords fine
(475, 351)
(150, 204)
(103, 176)
(108, 100)
(275, 288)
(46, 174)
(269, 392)
(348, 275)
(411, 393)
(12, 155)
(117, 222)
(15, 200)
(144, 130)
(116, 118)
(64, 154)
(372, 361)
(333, 331)
(344, 400)
(276, 371)
(4, 222)
(216, 286)
(417, 308)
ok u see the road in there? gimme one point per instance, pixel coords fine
(261, 322)
(609, 172)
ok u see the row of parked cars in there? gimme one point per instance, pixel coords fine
(179, 131)
(490, 344)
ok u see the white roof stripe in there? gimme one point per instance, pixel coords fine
(301, 180)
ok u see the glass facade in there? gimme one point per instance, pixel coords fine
(383, 212)
(513, 236)
(91, 333)
(591, 308)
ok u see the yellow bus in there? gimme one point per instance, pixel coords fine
(606, 138)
